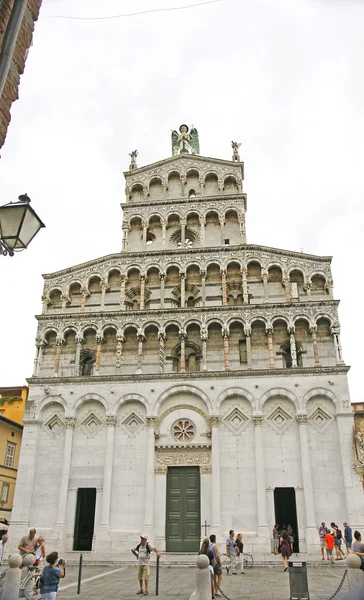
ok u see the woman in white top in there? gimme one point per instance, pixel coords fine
(40, 551)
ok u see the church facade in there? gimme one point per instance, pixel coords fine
(191, 383)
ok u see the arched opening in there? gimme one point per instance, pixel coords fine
(212, 229)
(231, 229)
(230, 185)
(151, 350)
(215, 347)
(75, 295)
(67, 363)
(174, 185)
(135, 236)
(234, 286)
(112, 296)
(304, 345)
(238, 358)
(56, 299)
(88, 353)
(211, 185)
(136, 193)
(287, 357)
(172, 340)
(276, 292)
(154, 234)
(132, 290)
(213, 285)
(46, 366)
(255, 285)
(192, 183)
(130, 350)
(318, 284)
(325, 342)
(259, 346)
(172, 282)
(173, 230)
(156, 189)
(280, 338)
(297, 285)
(94, 288)
(108, 353)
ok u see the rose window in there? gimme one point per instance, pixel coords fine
(183, 430)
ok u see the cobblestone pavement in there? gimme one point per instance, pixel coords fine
(177, 583)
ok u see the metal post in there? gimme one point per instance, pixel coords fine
(157, 578)
(10, 37)
(79, 575)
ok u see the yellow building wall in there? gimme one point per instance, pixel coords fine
(12, 403)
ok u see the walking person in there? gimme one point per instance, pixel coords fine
(291, 535)
(322, 532)
(337, 541)
(285, 548)
(330, 543)
(217, 564)
(231, 550)
(51, 575)
(240, 552)
(358, 547)
(4, 539)
(276, 538)
(348, 536)
(143, 551)
(205, 550)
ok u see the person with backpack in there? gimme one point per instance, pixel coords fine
(143, 551)
(338, 541)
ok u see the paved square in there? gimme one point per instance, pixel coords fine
(177, 583)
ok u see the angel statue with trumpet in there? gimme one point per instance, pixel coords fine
(185, 141)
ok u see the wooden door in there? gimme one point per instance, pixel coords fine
(183, 509)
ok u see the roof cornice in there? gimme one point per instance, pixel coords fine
(191, 157)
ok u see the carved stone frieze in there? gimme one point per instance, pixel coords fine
(182, 456)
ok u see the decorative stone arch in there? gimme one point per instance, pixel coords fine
(193, 211)
(300, 270)
(257, 318)
(325, 316)
(90, 397)
(280, 318)
(232, 260)
(49, 329)
(194, 263)
(276, 264)
(183, 407)
(210, 172)
(74, 282)
(235, 391)
(110, 325)
(320, 392)
(136, 184)
(132, 267)
(132, 398)
(303, 317)
(213, 320)
(236, 319)
(97, 274)
(177, 389)
(151, 323)
(110, 270)
(136, 216)
(230, 175)
(215, 261)
(193, 168)
(154, 215)
(171, 322)
(283, 392)
(193, 321)
(319, 273)
(55, 288)
(153, 266)
(256, 259)
(69, 328)
(132, 325)
(92, 326)
(152, 177)
(52, 399)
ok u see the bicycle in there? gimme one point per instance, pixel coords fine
(248, 561)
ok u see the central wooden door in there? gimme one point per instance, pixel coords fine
(183, 509)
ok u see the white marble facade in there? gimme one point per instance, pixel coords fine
(190, 324)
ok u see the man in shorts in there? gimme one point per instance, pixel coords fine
(142, 551)
(231, 550)
(348, 536)
(322, 532)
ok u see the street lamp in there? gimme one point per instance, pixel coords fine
(19, 223)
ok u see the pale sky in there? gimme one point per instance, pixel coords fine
(284, 77)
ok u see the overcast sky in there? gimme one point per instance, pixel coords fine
(284, 77)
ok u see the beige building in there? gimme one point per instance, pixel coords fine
(191, 378)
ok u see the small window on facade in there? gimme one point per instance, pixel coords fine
(4, 493)
(227, 242)
(10, 454)
(242, 352)
(192, 194)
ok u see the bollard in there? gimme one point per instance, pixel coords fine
(79, 575)
(298, 584)
(12, 578)
(157, 578)
(203, 579)
(27, 589)
(355, 577)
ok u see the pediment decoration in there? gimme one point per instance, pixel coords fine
(54, 425)
(91, 425)
(236, 421)
(320, 419)
(279, 420)
(132, 424)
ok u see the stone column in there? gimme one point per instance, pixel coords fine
(162, 291)
(183, 289)
(65, 474)
(144, 237)
(215, 479)
(203, 287)
(99, 341)
(108, 468)
(65, 300)
(352, 489)
(120, 339)
(183, 336)
(248, 348)
(164, 232)
(122, 291)
(311, 531)
(204, 337)
(225, 335)
(149, 478)
(79, 341)
(265, 284)
(38, 357)
(244, 281)
(202, 230)
(313, 331)
(222, 229)
(269, 332)
(183, 232)
(183, 185)
(125, 238)
(223, 281)
(85, 293)
(292, 343)
(162, 339)
(165, 188)
(202, 185)
(57, 361)
(242, 229)
(104, 286)
(260, 475)
(45, 302)
(142, 292)
(145, 192)
(335, 332)
(308, 291)
(287, 288)
(330, 287)
(141, 339)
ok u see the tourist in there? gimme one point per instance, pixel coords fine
(143, 551)
(276, 538)
(231, 550)
(285, 548)
(291, 535)
(4, 539)
(348, 536)
(358, 547)
(217, 563)
(240, 552)
(205, 550)
(338, 541)
(40, 551)
(51, 575)
(28, 543)
(330, 542)
(322, 532)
